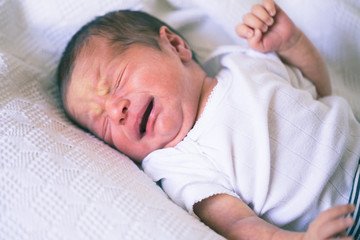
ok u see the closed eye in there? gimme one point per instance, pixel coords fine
(106, 128)
(118, 80)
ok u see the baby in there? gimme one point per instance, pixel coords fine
(259, 152)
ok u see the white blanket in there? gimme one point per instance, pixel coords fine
(58, 182)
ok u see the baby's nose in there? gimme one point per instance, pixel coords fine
(118, 110)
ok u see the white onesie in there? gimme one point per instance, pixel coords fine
(263, 138)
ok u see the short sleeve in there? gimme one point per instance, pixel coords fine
(186, 176)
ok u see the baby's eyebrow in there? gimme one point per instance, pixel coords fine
(103, 87)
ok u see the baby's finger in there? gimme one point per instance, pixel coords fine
(244, 31)
(338, 211)
(341, 210)
(253, 22)
(260, 12)
(270, 7)
(255, 41)
(336, 227)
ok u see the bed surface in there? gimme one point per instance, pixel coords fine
(59, 182)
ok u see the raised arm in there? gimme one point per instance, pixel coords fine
(267, 28)
(233, 219)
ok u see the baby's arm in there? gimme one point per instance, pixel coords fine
(233, 219)
(267, 28)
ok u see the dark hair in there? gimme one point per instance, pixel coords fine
(120, 28)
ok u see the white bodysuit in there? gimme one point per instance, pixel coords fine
(263, 138)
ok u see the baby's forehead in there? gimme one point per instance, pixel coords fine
(94, 53)
(100, 49)
(85, 69)
(93, 45)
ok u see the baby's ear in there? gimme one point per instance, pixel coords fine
(177, 43)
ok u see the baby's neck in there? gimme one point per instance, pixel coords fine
(207, 87)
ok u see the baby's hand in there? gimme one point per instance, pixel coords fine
(330, 223)
(267, 28)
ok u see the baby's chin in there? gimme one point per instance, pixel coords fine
(140, 154)
(160, 141)
(137, 158)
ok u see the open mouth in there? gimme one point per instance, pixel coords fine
(145, 118)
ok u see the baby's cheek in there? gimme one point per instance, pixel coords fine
(169, 126)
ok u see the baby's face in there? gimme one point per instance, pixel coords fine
(139, 101)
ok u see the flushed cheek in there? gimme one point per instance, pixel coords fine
(168, 125)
